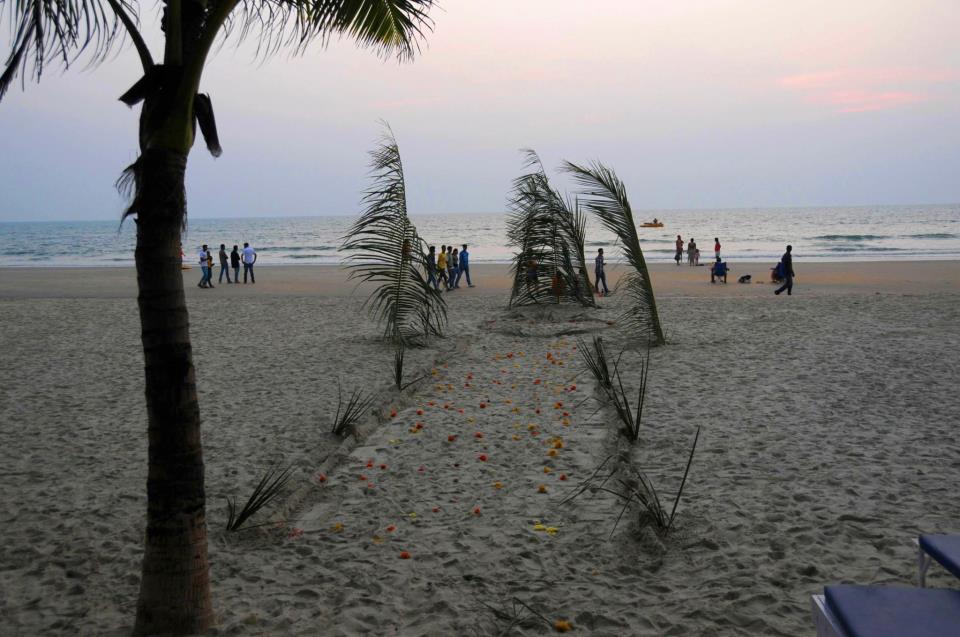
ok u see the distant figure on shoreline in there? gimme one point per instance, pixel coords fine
(679, 255)
(601, 276)
(235, 263)
(455, 268)
(691, 250)
(450, 267)
(249, 258)
(432, 267)
(204, 268)
(442, 266)
(464, 266)
(716, 247)
(224, 264)
(786, 261)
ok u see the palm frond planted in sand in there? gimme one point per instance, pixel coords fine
(398, 359)
(548, 233)
(604, 195)
(636, 487)
(596, 361)
(270, 487)
(386, 250)
(350, 414)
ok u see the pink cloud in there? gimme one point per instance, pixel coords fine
(857, 101)
(862, 90)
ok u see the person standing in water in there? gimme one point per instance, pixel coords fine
(716, 247)
(691, 251)
(787, 262)
(679, 255)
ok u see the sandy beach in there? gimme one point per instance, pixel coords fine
(828, 443)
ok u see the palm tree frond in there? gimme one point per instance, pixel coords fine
(43, 31)
(386, 250)
(548, 233)
(604, 195)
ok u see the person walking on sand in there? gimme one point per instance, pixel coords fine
(600, 274)
(464, 266)
(235, 263)
(450, 269)
(442, 266)
(716, 247)
(691, 250)
(224, 264)
(679, 255)
(432, 267)
(249, 258)
(787, 262)
(455, 269)
(204, 269)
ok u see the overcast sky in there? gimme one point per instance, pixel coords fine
(695, 103)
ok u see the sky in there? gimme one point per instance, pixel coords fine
(695, 104)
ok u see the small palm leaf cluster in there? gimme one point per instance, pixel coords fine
(604, 195)
(350, 415)
(270, 487)
(548, 233)
(611, 384)
(386, 250)
(637, 488)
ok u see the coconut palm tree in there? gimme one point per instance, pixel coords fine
(605, 195)
(174, 589)
(549, 230)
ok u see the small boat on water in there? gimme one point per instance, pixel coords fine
(653, 224)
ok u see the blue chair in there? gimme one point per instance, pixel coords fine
(886, 611)
(945, 549)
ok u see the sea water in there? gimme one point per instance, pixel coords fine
(867, 233)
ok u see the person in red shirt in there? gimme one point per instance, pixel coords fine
(716, 247)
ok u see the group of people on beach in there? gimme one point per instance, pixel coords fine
(248, 256)
(693, 252)
(448, 266)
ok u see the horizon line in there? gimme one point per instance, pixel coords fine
(427, 214)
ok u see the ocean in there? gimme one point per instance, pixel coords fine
(867, 233)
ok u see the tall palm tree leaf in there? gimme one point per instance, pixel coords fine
(386, 250)
(605, 196)
(548, 230)
(390, 27)
(46, 30)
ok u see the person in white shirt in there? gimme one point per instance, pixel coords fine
(204, 268)
(249, 258)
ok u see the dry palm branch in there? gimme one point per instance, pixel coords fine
(549, 231)
(270, 487)
(385, 249)
(604, 195)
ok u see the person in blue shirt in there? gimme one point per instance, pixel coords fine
(464, 267)
(719, 270)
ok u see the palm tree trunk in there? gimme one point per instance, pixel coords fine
(175, 586)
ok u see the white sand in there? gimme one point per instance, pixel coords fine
(828, 443)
